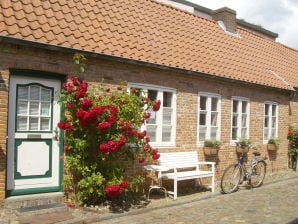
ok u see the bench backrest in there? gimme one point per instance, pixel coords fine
(178, 159)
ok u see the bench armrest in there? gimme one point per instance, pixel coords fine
(208, 163)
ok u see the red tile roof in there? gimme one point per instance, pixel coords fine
(152, 32)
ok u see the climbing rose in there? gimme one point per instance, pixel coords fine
(142, 160)
(70, 105)
(156, 105)
(142, 134)
(86, 103)
(114, 110)
(104, 126)
(61, 125)
(155, 156)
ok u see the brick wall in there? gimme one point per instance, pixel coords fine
(187, 87)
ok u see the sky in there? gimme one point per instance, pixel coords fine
(278, 16)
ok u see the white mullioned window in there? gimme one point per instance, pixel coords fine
(161, 126)
(209, 117)
(270, 120)
(240, 118)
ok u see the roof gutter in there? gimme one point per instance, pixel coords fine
(45, 46)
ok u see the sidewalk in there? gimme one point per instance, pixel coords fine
(64, 215)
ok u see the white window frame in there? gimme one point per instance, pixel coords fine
(271, 103)
(159, 114)
(208, 117)
(239, 124)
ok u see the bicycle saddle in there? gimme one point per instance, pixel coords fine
(256, 153)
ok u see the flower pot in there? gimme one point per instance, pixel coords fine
(240, 149)
(272, 147)
(209, 151)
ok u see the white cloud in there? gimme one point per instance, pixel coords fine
(279, 16)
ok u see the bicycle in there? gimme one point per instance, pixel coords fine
(233, 174)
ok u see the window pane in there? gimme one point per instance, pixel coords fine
(266, 133)
(152, 119)
(266, 109)
(243, 120)
(273, 110)
(234, 133)
(202, 119)
(273, 132)
(167, 99)
(167, 114)
(21, 123)
(46, 94)
(243, 132)
(34, 92)
(166, 133)
(244, 107)
(214, 102)
(152, 95)
(45, 109)
(273, 122)
(235, 106)
(23, 93)
(203, 103)
(22, 108)
(266, 124)
(213, 133)
(202, 134)
(214, 119)
(235, 118)
(33, 123)
(34, 108)
(44, 124)
(151, 132)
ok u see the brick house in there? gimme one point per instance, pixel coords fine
(217, 77)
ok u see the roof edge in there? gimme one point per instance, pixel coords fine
(45, 46)
(256, 28)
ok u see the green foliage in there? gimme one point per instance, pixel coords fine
(274, 141)
(213, 143)
(102, 130)
(244, 142)
(136, 183)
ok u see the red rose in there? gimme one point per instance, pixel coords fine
(86, 103)
(68, 126)
(113, 191)
(155, 156)
(112, 119)
(154, 151)
(147, 147)
(114, 110)
(147, 139)
(104, 126)
(156, 105)
(142, 134)
(133, 90)
(61, 124)
(142, 160)
(70, 105)
(147, 115)
(124, 184)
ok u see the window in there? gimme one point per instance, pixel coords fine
(209, 117)
(240, 118)
(270, 120)
(34, 105)
(161, 126)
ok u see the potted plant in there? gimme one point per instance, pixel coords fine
(243, 145)
(273, 144)
(211, 147)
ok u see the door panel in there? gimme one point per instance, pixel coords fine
(33, 148)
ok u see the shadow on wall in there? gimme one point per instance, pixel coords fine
(2, 159)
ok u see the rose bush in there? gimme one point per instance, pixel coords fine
(102, 130)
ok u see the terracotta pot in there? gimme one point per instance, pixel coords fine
(208, 151)
(240, 149)
(272, 147)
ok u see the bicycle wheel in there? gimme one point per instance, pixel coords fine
(231, 178)
(258, 174)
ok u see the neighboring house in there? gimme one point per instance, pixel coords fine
(216, 80)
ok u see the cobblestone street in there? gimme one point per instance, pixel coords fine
(272, 203)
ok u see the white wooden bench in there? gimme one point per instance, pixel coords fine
(185, 166)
